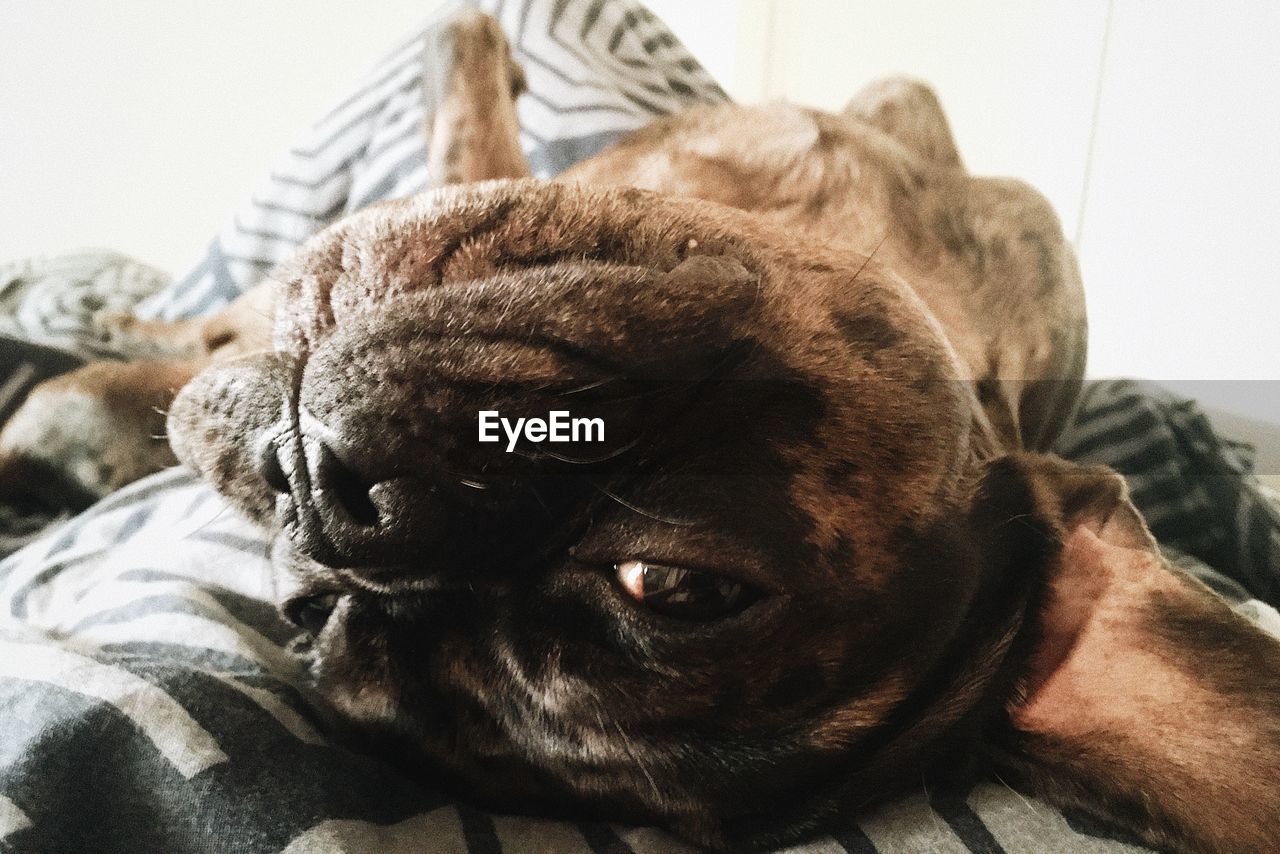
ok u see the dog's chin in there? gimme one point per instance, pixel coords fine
(556, 770)
(655, 790)
(508, 778)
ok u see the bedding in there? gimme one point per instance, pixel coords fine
(56, 301)
(150, 698)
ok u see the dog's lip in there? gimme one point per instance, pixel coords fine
(298, 575)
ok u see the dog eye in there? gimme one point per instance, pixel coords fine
(687, 594)
(311, 613)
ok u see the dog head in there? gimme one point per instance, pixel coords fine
(782, 583)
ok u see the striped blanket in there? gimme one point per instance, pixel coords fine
(148, 700)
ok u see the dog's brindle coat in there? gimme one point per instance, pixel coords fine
(825, 355)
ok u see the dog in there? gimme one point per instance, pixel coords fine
(818, 553)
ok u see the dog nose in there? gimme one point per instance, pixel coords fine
(338, 492)
(322, 483)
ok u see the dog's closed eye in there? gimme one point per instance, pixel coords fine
(687, 594)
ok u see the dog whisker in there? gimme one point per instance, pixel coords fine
(625, 743)
(869, 257)
(1030, 808)
(1027, 520)
(591, 460)
(588, 386)
(634, 509)
(933, 814)
(538, 497)
(216, 516)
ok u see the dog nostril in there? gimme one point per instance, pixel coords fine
(336, 484)
(270, 469)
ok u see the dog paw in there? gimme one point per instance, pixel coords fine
(470, 50)
(132, 338)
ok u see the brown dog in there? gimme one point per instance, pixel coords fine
(812, 559)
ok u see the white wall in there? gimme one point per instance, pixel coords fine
(1181, 243)
(1154, 127)
(1017, 79)
(138, 125)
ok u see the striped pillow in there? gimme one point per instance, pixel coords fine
(595, 69)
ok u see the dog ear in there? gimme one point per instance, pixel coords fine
(910, 112)
(1147, 699)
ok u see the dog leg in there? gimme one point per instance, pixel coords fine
(473, 81)
(84, 434)
(89, 432)
(244, 326)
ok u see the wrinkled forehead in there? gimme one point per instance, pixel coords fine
(470, 234)
(474, 232)
(522, 278)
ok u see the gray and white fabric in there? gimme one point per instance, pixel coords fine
(148, 700)
(57, 301)
(23, 365)
(595, 69)
(1195, 488)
